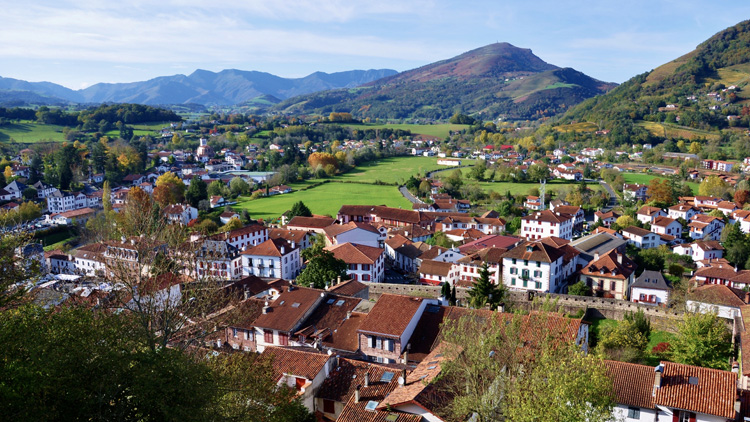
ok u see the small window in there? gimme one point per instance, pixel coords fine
(329, 406)
(340, 302)
(387, 377)
(371, 405)
(513, 281)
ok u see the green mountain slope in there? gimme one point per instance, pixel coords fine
(498, 79)
(697, 91)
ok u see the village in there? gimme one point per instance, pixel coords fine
(352, 348)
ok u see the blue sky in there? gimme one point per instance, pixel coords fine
(79, 43)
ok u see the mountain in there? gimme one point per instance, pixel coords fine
(685, 98)
(36, 92)
(498, 79)
(204, 87)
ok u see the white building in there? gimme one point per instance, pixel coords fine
(274, 258)
(353, 232)
(248, 236)
(547, 223)
(180, 213)
(484, 225)
(641, 238)
(701, 250)
(684, 211)
(364, 263)
(647, 215)
(706, 227)
(534, 266)
(650, 288)
(667, 226)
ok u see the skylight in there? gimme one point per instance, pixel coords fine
(392, 417)
(387, 377)
(371, 405)
(330, 301)
(295, 305)
(340, 302)
(693, 380)
(433, 309)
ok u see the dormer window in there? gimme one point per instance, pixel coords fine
(529, 248)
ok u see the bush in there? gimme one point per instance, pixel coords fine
(676, 270)
(661, 350)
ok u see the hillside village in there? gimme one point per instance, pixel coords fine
(355, 352)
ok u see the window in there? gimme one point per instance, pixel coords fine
(525, 283)
(513, 281)
(378, 343)
(234, 332)
(524, 273)
(613, 286)
(365, 277)
(268, 336)
(284, 339)
(538, 264)
(514, 270)
(329, 406)
(539, 285)
(514, 261)
(525, 262)
(687, 417)
(365, 267)
(248, 335)
(353, 267)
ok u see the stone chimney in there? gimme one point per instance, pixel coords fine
(294, 244)
(356, 394)
(283, 250)
(657, 378)
(596, 256)
(367, 379)
(403, 375)
(338, 280)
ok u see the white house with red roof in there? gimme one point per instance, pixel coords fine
(701, 250)
(647, 214)
(547, 223)
(180, 213)
(274, 258)
(248, 236)
(364, 263)
(666, 225)
(683, 210)
(706, 227)
(354, 232)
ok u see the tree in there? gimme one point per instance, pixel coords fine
(625, 221)
(424, 188)
(483, 292)
(299, 209)
(713, 186)
(29, 193)
(169, 189)
(477, 172)
(703, 340)
(622, 341)
(640, 321)
(538, 172)
(196, 191)
(233, 224)
(579, 289)
(19, 269)
(322, 267)
(660, 192)
(217, 188)
(497, 378)
(8, 173)
(106, 197)
(445, 291)
(741, 197)
(239, 186)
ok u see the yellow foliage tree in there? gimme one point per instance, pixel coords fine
(625, 221)
(695, 148)
(713, 186)
(8, 172)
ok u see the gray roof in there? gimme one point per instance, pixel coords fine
(600, 243)
(651, 280)
(15, 186)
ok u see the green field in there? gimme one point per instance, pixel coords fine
(30, 132)
(440, 131)
(326, 199)
(673, 131)
(523, 188)
(393, 169)
(645, 179)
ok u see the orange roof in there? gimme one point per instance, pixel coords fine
(293, 361)
(391, 315)
(271, 247)
(352, 253)
(632, 383)
(696, 389)
(419, 384)
(609, 263)
(287, 311)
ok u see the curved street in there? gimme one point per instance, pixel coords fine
(612, 196)
(405, 192)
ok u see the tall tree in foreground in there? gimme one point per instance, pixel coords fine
(484, 292)
(322, 267)
(704, 340)
(299, 209)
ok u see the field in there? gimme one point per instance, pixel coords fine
(674, 131)
(326, 199)
(393, 169)
(644, 179)
(578, 127)
(523, 188)
(439, 131)
(30, 132)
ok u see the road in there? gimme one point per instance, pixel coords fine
(612, 196)
(405, 192)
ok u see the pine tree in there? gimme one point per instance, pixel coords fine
(299, 209)
(483, 292)
(445, 291)
(453, 296)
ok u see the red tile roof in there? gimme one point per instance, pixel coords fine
(391, 315)
(287, 311)
(713, 391)
(348, 288)
(352, 253)
(271, 247)
(632, 383)
(311, 222)
(296, 362)
(609, 263)
(535, 251)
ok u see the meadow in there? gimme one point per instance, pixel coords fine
(325, 199)
(524, 188)
(645, 179)
(439, 131)
(30, 132)
(394, 169)
(672, 131)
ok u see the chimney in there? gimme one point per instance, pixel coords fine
(356, 394)
(596, 256)
(367, 379)
(282, 249)
(619, 258)
(747, 297)
(338, 280)
(247, 294)
(657, 378)
(266, 309)
(403, 375)
(122, 239)
(348, 314)
(294, 244)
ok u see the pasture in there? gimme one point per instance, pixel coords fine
(30, 132)
(394, 169)
(645, 179)
(524, 188)
(438, 131)
(325, 199)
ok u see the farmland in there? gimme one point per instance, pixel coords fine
(393, 169)
(524, 188)
(325, 199)
(672, 131)
(439, 131)
(644, 179)
(30, 132)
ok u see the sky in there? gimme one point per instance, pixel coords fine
(77, 43)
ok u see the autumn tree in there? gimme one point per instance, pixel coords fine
(322, 159)
(741, 197)
(713, 186)
(169, 189)
(8, 173)
(660, 192)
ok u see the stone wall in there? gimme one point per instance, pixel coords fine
(593, 307)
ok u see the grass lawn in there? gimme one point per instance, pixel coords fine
(392, 169)
(645, 179)
(30, 132)
(656, 337)
(439, 131)
(523, 188)
(326, 199)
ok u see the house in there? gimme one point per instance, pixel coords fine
(641, 238)
(650, 288)
(727, 302)
(634, 192)
(718, 165)
(609, 275)
(701, 250)
(359, 233)
(245, 237)
(576, 212)
(470, 265)
(532, 203)
(683, 210)
(89, 259)
(534, 266)
(673, 392)
(547, 223)
(43, 190)
(16, 188)
(217, 201)
(708, 202)
(218, 260)
(274, 258)
(727, 207)
(601, 243)
(282, 315)
(667, 226)
(278, 190)
(364, 263)
(606, 218)
(483, 225)
(401, 253)
(300, 237)
(314, 224)
(388, 327)
(228, 215)
(706, 227)
(59, 201)
(647, 214)
(180, 213)
(134, 179)
(436, 273)
(79, 216)
(592, 152)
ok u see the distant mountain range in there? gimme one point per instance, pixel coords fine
(498, 79)
(227, 87)
(491, 81)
